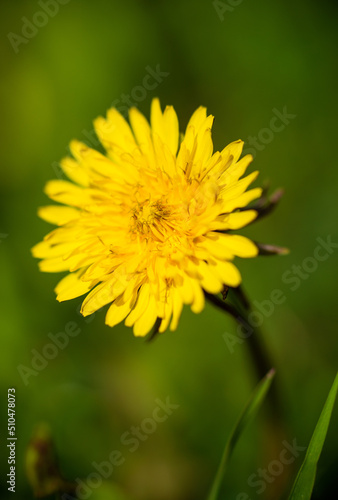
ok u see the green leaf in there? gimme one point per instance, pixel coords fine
(248, 414)
(303, 486)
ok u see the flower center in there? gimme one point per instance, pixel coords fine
(149, 218)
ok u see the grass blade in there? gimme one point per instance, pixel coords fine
(303, 486)
(248, 414)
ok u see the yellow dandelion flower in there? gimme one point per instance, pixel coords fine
(146, 227)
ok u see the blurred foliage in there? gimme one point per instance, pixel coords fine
(263, 56)
(305, 480)
(42, 469)
(244, 420)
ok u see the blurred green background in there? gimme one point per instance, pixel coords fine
(242, 60)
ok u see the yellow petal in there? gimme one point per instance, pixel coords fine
(242, 200)
(186, 291)
(228, 273)
(236, 188)
(210, 282)
(238, 220)
(197, 119)
(196, 147)
(44, 250)
(69, 194)
(58, 215)
(239, 245)
(100, 296)
(57, 264)
(167, 316)
(115, 133)
(215, 248)
(141, 305)
(171, 128)
(235, 220)
(75, 172)
(165, 125)
(147, 320)
(97, 164)
(164, 159)
(142, 132)
(177, 309)
(236, 170)
(203, 151)
(156, 117)
(199, 300)
(118, 311)
(232, 151)
(72, 286)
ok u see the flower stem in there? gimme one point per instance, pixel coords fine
(275, 429)
(240, 310)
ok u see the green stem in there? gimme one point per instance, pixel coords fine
(275, 430)
(260, 357)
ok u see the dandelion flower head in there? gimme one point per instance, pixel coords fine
(147, 227)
